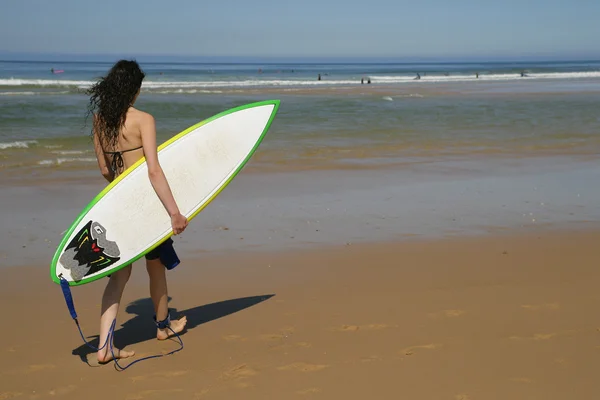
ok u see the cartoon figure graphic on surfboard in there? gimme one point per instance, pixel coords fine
(89, 251)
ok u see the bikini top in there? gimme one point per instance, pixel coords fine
(117, 159)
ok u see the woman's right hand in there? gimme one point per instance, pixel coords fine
(178, 223)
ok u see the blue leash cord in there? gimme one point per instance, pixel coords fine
(111, 333)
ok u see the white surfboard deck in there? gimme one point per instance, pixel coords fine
(127, 219)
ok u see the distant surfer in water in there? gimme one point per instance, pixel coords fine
(122, 135)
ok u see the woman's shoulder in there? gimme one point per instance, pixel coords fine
(141, 116)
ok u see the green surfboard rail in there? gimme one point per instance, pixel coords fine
(129, 170)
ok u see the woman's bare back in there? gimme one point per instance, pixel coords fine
(129, 143)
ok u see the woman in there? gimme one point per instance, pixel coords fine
(122, 135)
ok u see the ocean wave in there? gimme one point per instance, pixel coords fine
(17, 93)
(29, 93)
(69, 152)
(17, 145)
(59, 161)
(199, 86)
(482, 77)
(171, 85)
(11, 82)
(188, 91)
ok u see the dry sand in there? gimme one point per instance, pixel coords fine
(501, 317)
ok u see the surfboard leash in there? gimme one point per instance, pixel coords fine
(66, 289)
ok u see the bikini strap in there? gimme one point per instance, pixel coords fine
(137, 148)
(124, 151)
(117, 159)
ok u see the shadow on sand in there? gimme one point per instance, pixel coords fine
(141, 327)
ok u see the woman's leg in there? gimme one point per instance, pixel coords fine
(160, 298)
(110, 307)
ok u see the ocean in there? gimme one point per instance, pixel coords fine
(333, 122)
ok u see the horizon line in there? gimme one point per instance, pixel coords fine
(85, 57)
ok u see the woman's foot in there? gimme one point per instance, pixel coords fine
(176, 326)
(107, 356)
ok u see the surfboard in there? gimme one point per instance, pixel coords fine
(126, 220)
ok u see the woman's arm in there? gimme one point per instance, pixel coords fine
(156, 174)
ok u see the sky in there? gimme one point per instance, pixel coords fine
(441, 29)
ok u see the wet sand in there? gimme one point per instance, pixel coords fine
(305, 209)
(508, 316)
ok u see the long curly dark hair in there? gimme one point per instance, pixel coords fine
(111, 97)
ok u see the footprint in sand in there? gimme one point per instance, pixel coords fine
(368, 327)
(370, 359)
(165, 374)
(9, 395)
(239, 376)
(448, 314)
(239, 371)
(288, 346)
(201, 393)
(409, 351)
(153, 393)
(272, 337)
(303, 367)
(544, 336)
(562, 361)
(62, 391)
(40, 367)
(538, 307)
(522, 380)
(284, 333)
(305, 392)
(243, 383)
(461, 397)
(234, 338)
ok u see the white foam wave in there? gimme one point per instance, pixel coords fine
(17, 145)
(391, 98)
(482, 77)
(188, 91)
(244, 83)
(60, 161)
(43, 82)
(33, 93)
(17, 93)
(177, 86)
(198, 86)
(69, 152)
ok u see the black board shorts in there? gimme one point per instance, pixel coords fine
(155, 253)
(166, 253)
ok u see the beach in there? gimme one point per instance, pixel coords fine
(508, 316)
(400, 239)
